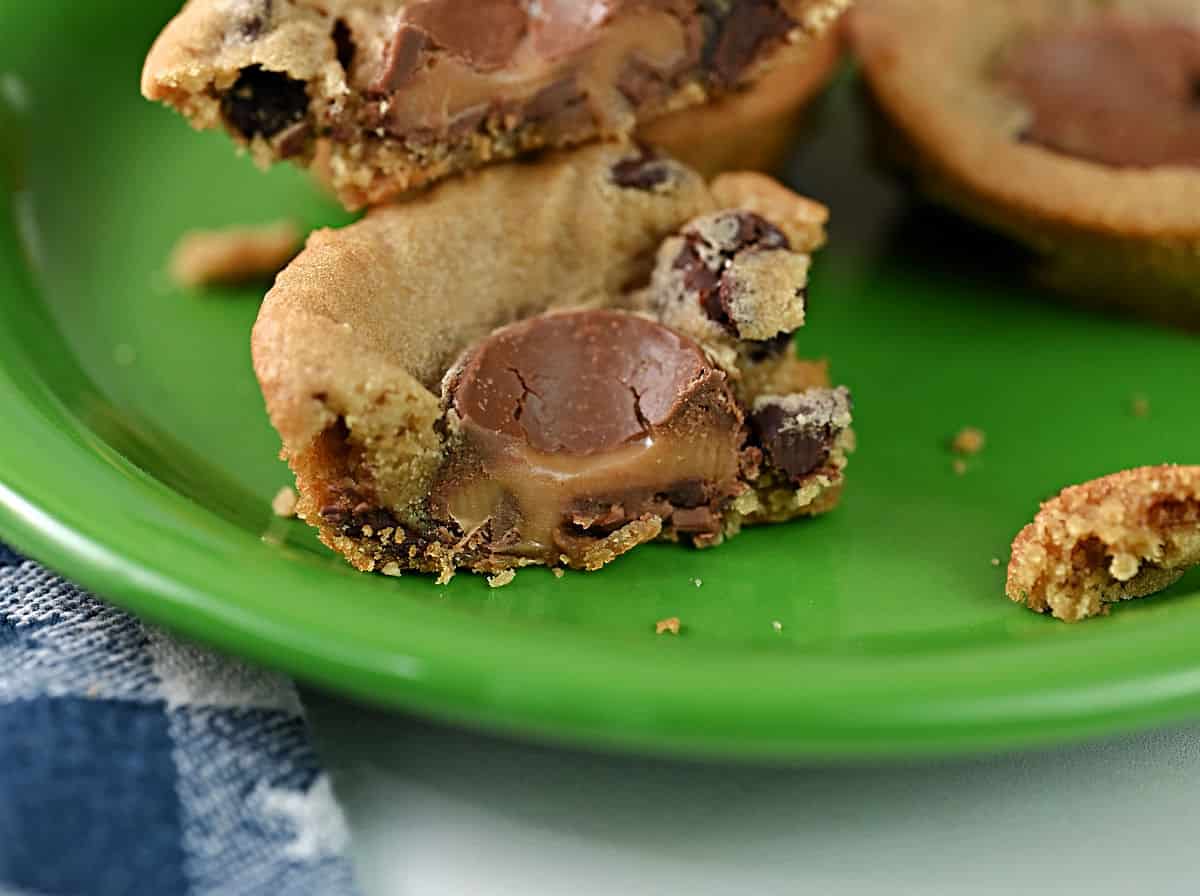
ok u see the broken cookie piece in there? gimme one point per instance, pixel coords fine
(403, 92)
(479, 378)
(1126, 535)
(234, 255)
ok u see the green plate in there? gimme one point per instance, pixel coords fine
(135, 457)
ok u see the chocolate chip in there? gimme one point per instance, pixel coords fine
(645, 171)
(482, 33)
(343, 42)
(641, 83)
(798, 432)
(293, 140)
(740, 30)
(262, 103)
(709, 250)
(766, 349)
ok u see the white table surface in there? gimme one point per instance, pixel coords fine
(436, 811)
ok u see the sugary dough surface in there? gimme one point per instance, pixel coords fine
(354, 341)
(1125, 535)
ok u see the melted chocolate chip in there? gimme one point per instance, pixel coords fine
(483, 33)
(767, 349)
(741, 30)
(645, 171)
(343, 42)
(262, 103)
(798, 432)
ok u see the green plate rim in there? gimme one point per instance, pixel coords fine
(505, 679)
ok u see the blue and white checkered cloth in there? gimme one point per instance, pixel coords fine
(133, 763)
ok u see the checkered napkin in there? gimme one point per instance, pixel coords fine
(131, 763)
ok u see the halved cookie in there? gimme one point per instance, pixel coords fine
(552, 363)
(1072, 127)
(1121, 536)
(402, 92)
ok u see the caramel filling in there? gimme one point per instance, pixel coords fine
(542, 495)
(1111, 90)
(622, 64)
(568, 426)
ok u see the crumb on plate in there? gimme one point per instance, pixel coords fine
(284, 502)
(233, 255)
(969, 441)
(1139, 406)
(500, 579)
(558, 572)
(670, 624)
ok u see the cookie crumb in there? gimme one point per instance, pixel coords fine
(777, 625)
(392, 569)
(995, 561)
(697, 582)
(1126, 535)
(968, 442)
(960, 466)
(284, 502)
(670, 624)
(500, 579)
(1139, 406)
(124, 355)
(558, 572)
(233, 255)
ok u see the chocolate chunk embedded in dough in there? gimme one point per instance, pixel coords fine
(798, 432)
(262, 103)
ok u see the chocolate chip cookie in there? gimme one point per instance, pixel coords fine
(407, 91)
(551, 363)
(1072, 127)
(1126, 535)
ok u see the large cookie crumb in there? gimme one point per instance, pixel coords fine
(669, 625)
(284, 502)
(1126, 535)
(233, 255)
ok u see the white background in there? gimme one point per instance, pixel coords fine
(436, 812)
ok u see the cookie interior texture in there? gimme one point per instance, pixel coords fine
(402, 92)
(1070, 126)
(542, 363)
(1126, 535)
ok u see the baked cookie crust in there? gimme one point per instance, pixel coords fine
(1122, 536)
(1126, 237)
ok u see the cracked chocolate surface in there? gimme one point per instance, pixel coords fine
(571, 426)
